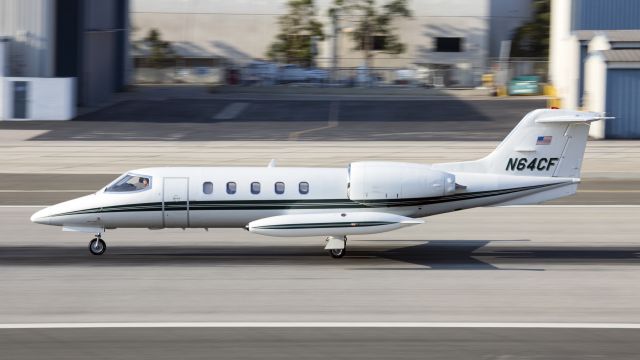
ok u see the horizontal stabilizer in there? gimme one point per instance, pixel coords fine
(574, 117)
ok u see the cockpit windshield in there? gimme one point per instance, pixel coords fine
(129, 183)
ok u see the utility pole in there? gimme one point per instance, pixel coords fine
(313, 50)
(334, 45)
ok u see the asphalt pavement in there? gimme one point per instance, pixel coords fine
(524, 264)
(320, 343)
(568, 272)
(291, 118)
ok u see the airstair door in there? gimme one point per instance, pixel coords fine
(175, 202)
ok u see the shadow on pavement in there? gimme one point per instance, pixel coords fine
(216, 119)
(435, 255)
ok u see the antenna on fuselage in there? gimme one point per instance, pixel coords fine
(272, 163)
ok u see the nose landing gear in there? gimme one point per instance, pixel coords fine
(97, 246)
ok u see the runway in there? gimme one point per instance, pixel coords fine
(320, 343)
(546, 264)
(290, 118)
(530, 264)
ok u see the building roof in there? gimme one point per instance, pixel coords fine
(628, 55)
(612, 35)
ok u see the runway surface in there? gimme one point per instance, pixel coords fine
(367, 119)
(310, 343)
(547, 264)
(523, 264)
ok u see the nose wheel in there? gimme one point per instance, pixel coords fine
(97, 246)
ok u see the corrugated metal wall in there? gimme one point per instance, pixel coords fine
(100, 56)
(605, 14)
(30, 25)
(91, 45)
(623, 87)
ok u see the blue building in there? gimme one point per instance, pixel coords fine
(606, 35)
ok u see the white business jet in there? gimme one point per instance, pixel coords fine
(538, 161)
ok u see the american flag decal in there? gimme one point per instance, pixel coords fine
(544, 140)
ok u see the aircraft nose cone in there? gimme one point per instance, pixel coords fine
(40, 218)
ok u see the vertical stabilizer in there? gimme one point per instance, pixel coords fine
(546, 142)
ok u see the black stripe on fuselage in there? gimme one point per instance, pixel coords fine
(301, 204)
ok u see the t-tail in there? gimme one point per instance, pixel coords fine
(547, 144)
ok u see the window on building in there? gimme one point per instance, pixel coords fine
(279, 187)
(448, 44)
(303, 188)
(231, 188)
(378, 43)
(255, 187)
(207, 187)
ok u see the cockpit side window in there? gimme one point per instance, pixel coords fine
(130, 183)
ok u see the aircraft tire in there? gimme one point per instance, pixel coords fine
(337, 253)
(97, 246)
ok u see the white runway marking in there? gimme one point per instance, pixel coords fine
(334, 108)
(321, 325)
(231, 111)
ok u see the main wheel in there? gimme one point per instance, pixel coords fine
(97, 246)
(337, 253)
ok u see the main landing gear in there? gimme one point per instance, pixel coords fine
(97, 246)
(336, 246)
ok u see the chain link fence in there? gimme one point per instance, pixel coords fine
(260, 73)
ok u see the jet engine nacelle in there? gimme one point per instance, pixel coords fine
(395, 180)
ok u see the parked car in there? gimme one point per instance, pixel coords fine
(405, 77)
(259, 72)
(317, 75)
(524, 85)
(365, 77)
(291, 73)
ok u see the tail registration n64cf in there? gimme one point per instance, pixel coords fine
(535, 164)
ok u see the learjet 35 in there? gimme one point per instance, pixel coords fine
(539, 160)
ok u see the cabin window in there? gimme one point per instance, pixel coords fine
(303, 187)
(255, 188)
(279, 187)
(231, 188)
(130, 183)
(207, 187)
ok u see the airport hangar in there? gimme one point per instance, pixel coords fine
(594, 62)
(56, 55)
